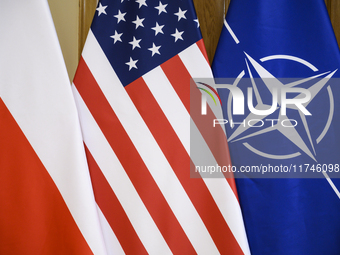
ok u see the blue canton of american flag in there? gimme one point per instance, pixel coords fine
(137, 36)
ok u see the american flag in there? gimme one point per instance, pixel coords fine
(132, 89)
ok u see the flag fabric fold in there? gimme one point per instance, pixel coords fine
(265, 41)
(46, 199)
(132, 89)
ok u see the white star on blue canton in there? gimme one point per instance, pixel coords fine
(161, 8)
(141, 3)
(154, 49)
(120, 16)
(158, 29)
(177, 35)
(132, 64)
(138, 22)
(135, 43)
(198, 24)
(180, 14)
(101, 9)
(116, 37)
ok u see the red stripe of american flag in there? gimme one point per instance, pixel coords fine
(113, 211)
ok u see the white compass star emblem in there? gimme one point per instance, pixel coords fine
(290, 133)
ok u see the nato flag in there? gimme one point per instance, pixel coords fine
(284, 58)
